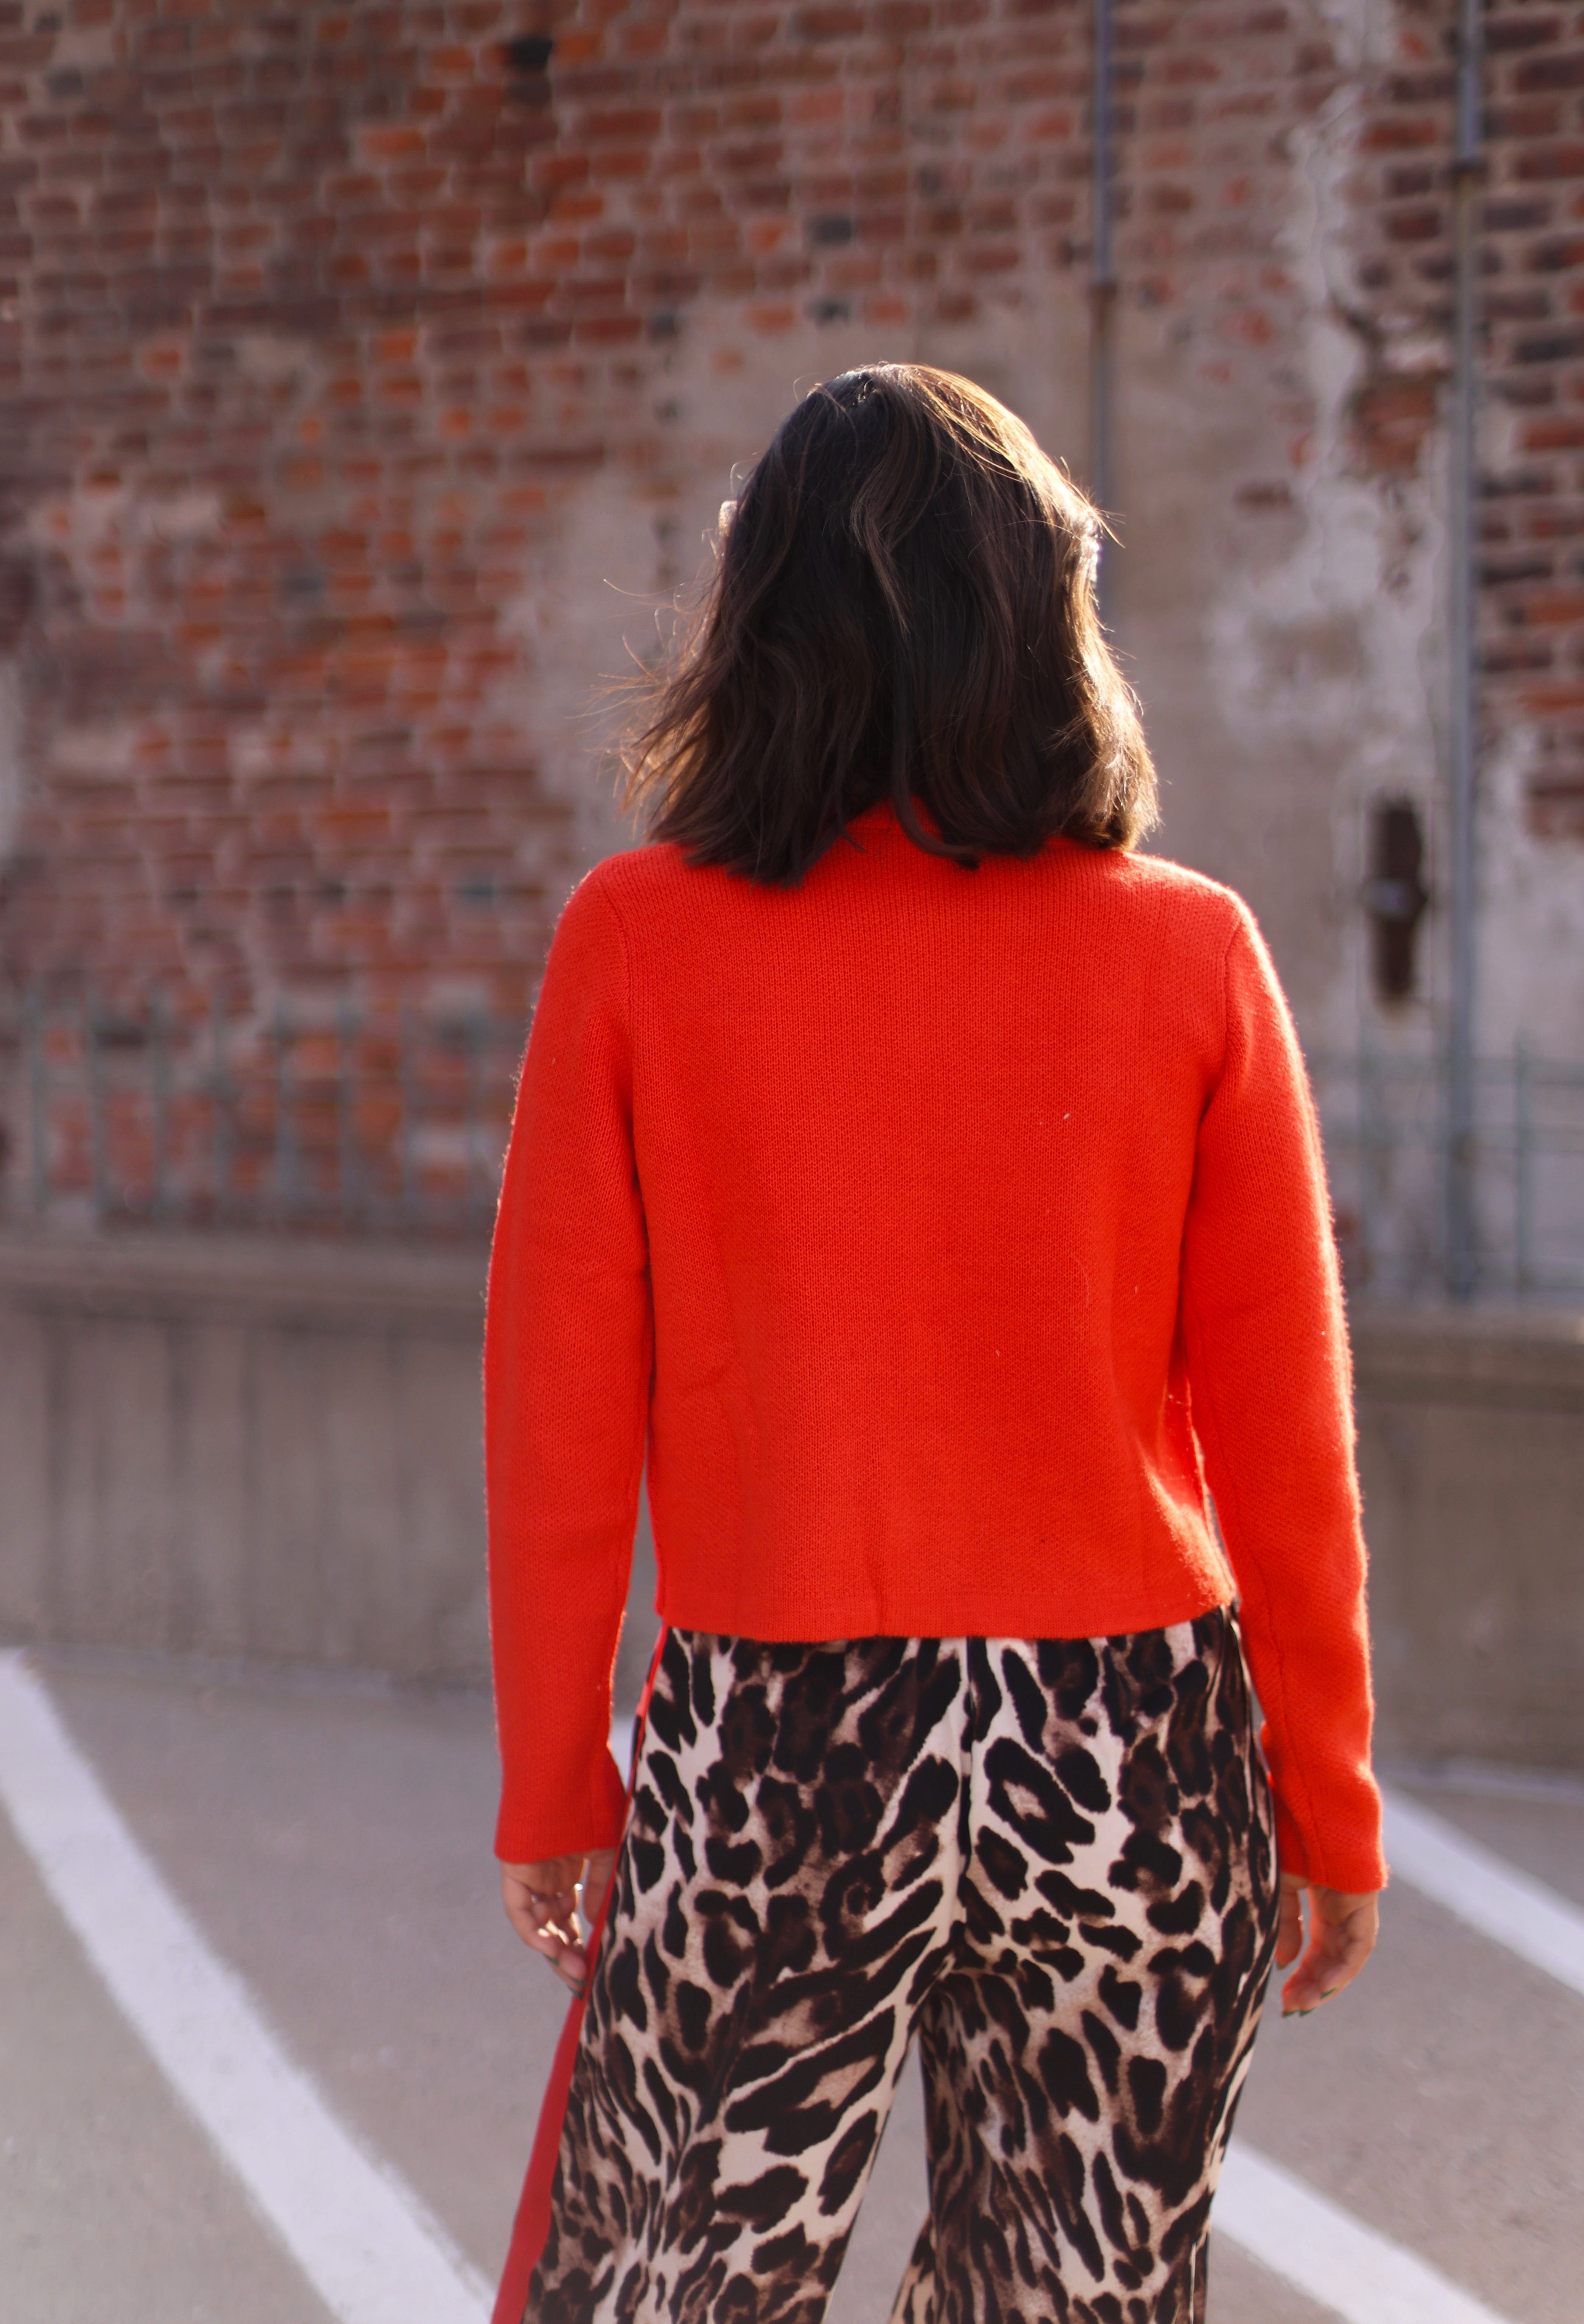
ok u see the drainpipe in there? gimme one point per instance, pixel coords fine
(1102, 284)
(1462, 1261)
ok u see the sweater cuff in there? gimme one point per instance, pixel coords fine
(1357, 1871)
(528, 1832)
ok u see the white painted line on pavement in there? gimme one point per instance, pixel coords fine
(1358, 2273)
(1480, 1888)
(360, 2235)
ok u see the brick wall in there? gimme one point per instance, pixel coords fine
(1531, 349)
(278, 440)
(345, 352)
(1534, 241)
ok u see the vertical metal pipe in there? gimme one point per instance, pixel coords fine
(345, 1146)
(285, 1201)
(1462, 1257)
(407, 1085)
(1102, 285)
(38, 1100)
(477, 1192)
(95, 1079)
(220, 1109)
(160, 1093)
(1523, 1170)
(1369, 1161)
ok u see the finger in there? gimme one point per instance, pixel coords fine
(557, 1912)
(572, 1968)
(1305, 1989)
(1302, 1990)
(596, 1881)
(1289, 1928)
(535, 1928)
(518, 1909)
(563, 1952)
(533, 1913)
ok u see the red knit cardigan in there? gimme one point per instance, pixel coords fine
(938, 1237)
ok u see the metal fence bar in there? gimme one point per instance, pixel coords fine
(1531, 1223)
(95, 1069)
(38, 1100)
(1523, 1171)
(1460, 1152)
(225, 1122)
(477, 1167)
(219, 1112)
(160, 1084)
(1368, 1157)
(407, 1084)
(150, 1110)
(285, 1186)
(346, 1170)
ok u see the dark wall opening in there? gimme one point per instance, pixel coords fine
(1395, 896)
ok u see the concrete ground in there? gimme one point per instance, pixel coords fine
(332, 1840)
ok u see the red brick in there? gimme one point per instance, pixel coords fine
(620, 124)
(1561, 160)
(1421, 223)
(1551, 608)
(1387, 136)
(395, 143)
(827, 23)
(1504, 34)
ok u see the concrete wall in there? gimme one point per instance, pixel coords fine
(243, 1448)
(252, 1446)
(1471, 1448)
(272, 1448)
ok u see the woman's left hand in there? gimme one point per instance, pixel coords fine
(541, 1904)
(1343, 1931)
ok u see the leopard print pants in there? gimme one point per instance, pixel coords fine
(1051, 1862)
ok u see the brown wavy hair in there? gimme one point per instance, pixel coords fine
(902, 606)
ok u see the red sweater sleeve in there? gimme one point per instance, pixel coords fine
(568, 1344)
(1271, 1383)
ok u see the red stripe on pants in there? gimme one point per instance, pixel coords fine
(531, 2226)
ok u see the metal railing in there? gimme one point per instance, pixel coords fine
(127, 1114)
(1393, 1144)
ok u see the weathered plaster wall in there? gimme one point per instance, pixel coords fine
(371, 376)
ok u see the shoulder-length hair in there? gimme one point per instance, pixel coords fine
(902, 606)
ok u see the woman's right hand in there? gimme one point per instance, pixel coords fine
(1343, 1931)
(541, 1904)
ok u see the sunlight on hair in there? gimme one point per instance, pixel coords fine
(901, 606)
